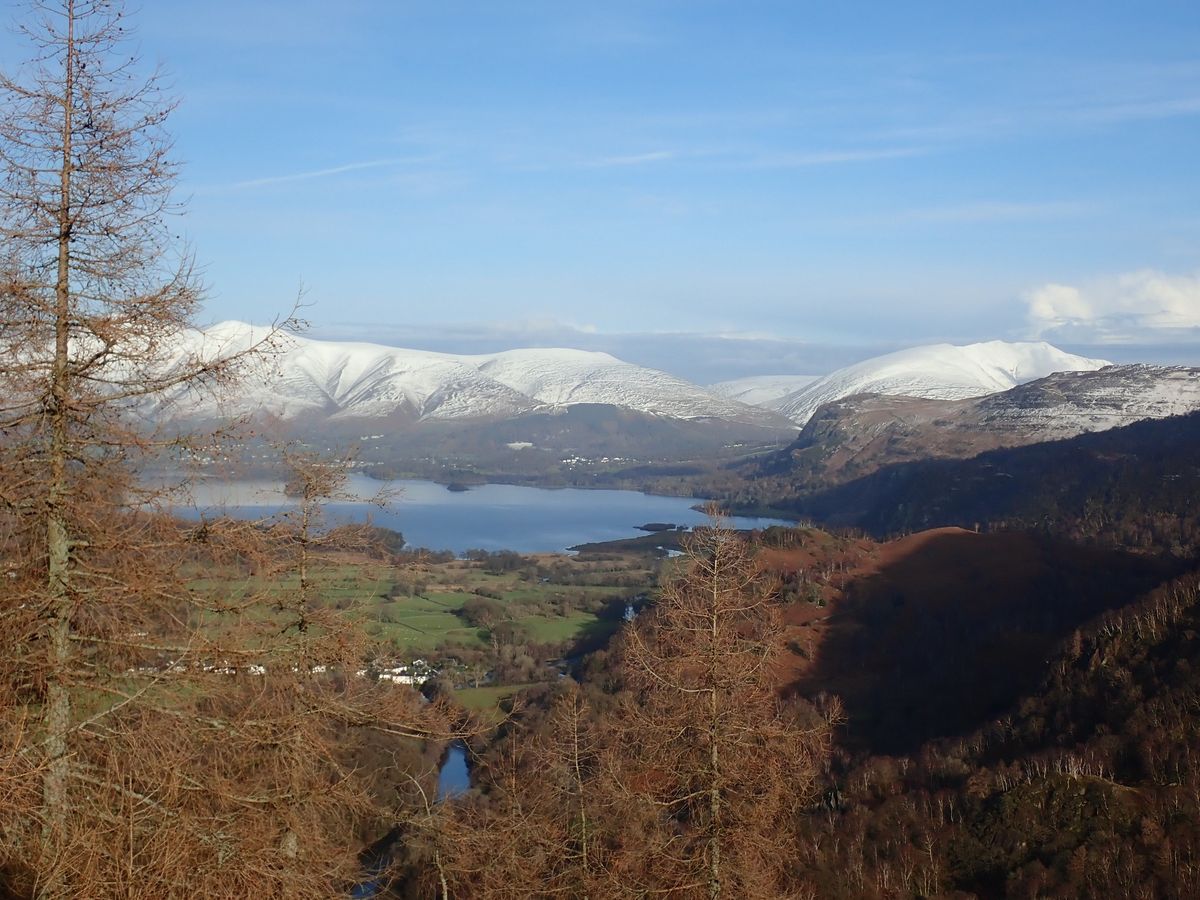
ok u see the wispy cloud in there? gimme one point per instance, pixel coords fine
(635, 159)
(980, 212)
(832, 157)
(1138, 110)
(1041, 118)
(322, 173)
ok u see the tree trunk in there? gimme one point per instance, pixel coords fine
(714, 808)
(57, 715)
(714, 771)
(578, 786)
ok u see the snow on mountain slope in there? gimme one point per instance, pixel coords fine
(762, 390)
(937, 371)
(359, 380)
(1070, 403)
(565, 377)
(351, 379)
(857, 435)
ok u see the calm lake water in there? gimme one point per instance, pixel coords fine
(491, 516)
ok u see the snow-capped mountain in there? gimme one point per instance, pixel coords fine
(340, 380)
(857, 435)
(936, 371)
(762, 390)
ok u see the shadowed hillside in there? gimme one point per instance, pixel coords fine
(1137, 486)
(933, 634)
(1087, 787)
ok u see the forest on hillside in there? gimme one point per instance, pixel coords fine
(1137, 486)
(216, 707)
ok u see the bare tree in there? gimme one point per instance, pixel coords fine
(156, 739)
(543, 826)
(708, 745)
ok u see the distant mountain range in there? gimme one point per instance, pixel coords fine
(762, 390)
(312, 380)
(529, 411)
(341, 380)
(935, 371)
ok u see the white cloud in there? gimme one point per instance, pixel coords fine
(1142, 305)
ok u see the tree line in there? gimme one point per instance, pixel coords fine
(167, 733)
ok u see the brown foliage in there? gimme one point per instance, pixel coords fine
(549, 823)
(708, 742)
(686, 784)
(155, 740)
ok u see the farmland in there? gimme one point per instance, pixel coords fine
(414, 605)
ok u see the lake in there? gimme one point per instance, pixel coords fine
(489, 517)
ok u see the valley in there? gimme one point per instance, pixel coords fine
(612, 451)
(591, 420)
(525, 637)
(477, 628)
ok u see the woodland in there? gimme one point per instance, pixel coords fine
(198, 707)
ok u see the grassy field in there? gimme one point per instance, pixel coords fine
(416, 609)
(486, 702)
(422, 622)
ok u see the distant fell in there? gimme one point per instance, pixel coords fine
(934, 371)
(338, 380)
(856, 436)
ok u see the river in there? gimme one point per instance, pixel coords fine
(454, 777)
(489, 517)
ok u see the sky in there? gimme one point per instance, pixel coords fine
(825, 175)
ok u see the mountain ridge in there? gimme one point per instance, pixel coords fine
(936, 371)
(349, 380)
(857, 435)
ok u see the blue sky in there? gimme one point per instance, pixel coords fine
(843, 173)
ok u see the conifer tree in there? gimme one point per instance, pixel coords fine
(717, 762)
(156, 740)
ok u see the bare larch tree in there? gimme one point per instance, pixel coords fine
(690, 781)
(542, 825)
(147, 748)
(708, 746)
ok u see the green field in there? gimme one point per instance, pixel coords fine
(486, 701)
(422, 622)
(417, 609)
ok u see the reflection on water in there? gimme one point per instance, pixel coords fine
(491, 516)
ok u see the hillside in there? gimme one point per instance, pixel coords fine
(1018, 714)
(935, 371)
(1083, 782)
(341, 381)
(895, 637)
(1136, 486)
(856, 436)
